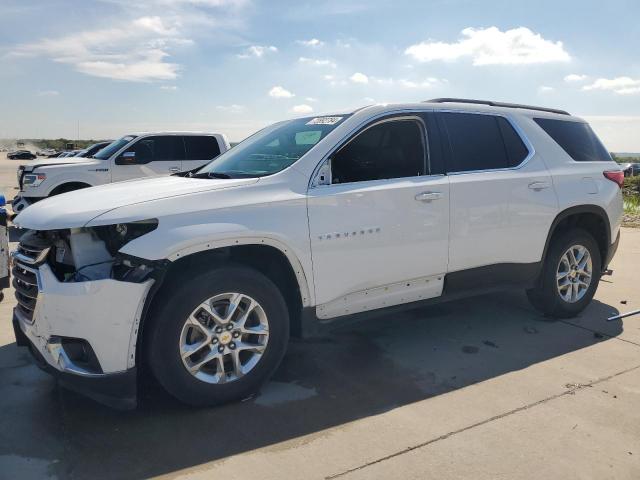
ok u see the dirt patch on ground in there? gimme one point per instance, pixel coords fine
(631, 220)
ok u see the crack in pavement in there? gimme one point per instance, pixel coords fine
(570, 391)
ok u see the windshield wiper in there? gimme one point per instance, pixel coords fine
(209, 175)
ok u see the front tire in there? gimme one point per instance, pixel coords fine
(219, 336)
(570, 275)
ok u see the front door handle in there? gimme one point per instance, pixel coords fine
(428, 196)
(174, 169)
(539, 185)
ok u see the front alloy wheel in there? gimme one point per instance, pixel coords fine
(217, 333)
(224, 338)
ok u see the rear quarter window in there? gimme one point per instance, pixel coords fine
(575, 138)
(201, 147)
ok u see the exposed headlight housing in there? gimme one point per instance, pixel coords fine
(117, 235)
(33, 179)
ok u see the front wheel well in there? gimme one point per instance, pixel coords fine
(268, 260)
(68, 187)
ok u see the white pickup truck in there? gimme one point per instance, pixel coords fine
(132, 156)
(200, 279)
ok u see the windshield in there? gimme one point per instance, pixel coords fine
(272, 149)
(113, 147)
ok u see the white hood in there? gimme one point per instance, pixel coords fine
(76, 209)
(45, 162)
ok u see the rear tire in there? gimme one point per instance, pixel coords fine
(175, 334)
(565, 289)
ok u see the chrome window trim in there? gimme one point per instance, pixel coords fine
(416, 111)
(525, 140)
(404, 115)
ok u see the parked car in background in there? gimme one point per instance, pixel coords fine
(91, 150)
(627, 169)
(132, 156)
(45, 152)
(201, 278)
(4, 247)
(635, 169)
(21, 155)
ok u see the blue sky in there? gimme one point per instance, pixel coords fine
(233, 66)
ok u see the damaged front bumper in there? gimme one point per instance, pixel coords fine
(85, 333)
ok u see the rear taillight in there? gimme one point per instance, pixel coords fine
(615, 176)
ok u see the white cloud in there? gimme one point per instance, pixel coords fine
(136, 51)
(619, 85)
(304, 108)
(429, 82)
(232, 108)
(311, 99)
(169, 88)
(257, 51)
(574, 77)
(280, 92)
(317, 62)
(369, 100)
(491, 46)
(359, 78)
(545, 89)
(155, 25)
(48, 93)
(145, 66)
(314, 43)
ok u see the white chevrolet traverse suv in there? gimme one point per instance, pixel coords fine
(201, 279)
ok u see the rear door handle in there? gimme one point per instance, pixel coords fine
(428, 196)
(174, 169)
(539, 185)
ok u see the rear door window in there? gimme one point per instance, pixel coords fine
(481, 142)
(575, 138)
(201, 147)
(516, 150)
(159, 149)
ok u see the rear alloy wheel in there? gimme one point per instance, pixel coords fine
(574, 274)
(570, 275)
(218, 335)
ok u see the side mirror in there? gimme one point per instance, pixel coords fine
(127, 158)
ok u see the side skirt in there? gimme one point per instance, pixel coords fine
(457, 285)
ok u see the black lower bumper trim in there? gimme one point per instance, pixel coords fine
(116, 390)
(613, 248)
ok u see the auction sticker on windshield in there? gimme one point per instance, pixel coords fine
(324, 121)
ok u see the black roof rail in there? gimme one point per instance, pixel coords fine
(496, 104)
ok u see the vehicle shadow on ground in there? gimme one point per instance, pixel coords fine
(352, 373)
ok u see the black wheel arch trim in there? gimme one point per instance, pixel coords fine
(577, 210)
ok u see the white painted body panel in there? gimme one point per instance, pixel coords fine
(370, 234)
(497, 218)
(104, 312)
(579, 183)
